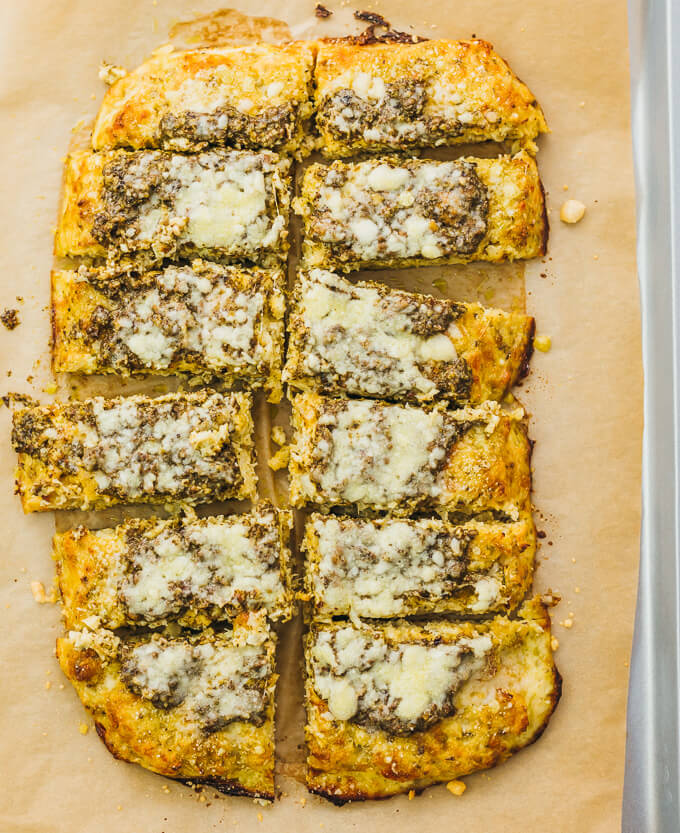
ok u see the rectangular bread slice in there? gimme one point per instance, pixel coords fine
(223, 205)
(189, 570)
(392, 212)
(365, 339)
(256, 96)
(398, 707)
(189, 447)
(196, 708)
(386, 567)
(202, 319)
(401, 459)
(397, 96)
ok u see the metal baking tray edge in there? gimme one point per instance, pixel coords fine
(651, 791)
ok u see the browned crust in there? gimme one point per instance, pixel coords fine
(343, 764)
(358, 795)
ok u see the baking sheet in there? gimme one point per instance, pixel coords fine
(584, 396)
(652, 785)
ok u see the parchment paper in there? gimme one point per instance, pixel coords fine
(584, 397)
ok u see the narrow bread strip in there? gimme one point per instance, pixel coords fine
(387, 567)
(394, 708)
(226, 205)
(195, 708)
(365, 339)
(202, 319)
(191, 570)
(401, 459)
(249, 97)
(189, 447)
(392, 212)
(381, 97)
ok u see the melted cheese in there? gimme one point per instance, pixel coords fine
(372, 569)
(354, 332)
(218, 562)
(373, 210)
(378, 455)
(358, 672)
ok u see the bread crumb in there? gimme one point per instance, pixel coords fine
(83, 728)
(278, 435)
(565, 187)
(303, 801)
(259, 816)
(280, 459)
(456, 787)
(51, 388)
(110, 73)
(554, 643)
(572, 211)
(48, 685)
(568, 623)
(542, 343)
(411, 795)
(10, 318)
(38, 590)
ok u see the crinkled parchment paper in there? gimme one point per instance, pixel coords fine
(584, 397)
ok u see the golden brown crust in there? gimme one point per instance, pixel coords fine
(513, 226)
(496, 566)
(365, 339)
(149, 204)
(99, 572)
(485, 458)
(396, 96)
(63, 446)
(98, 320)
(497, 714)
(254, 96)
(236, 759)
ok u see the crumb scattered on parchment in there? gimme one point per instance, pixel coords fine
(110, 73)
(280, 459)
(567, 623)
(551, 598)
(83, 728)
(39, 594)
(278, 435)
(572, 211)
(322, 11)
(11, 400)
(10, 318)
(554, 643)
(543, 343)
(456, 787)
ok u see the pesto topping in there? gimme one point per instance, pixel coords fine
(193, 313)
(385, 209)
(373, 568)
(375, 454)
(213, 682)
(373, 341)
(395, 687)
(222, 201)
(230, 563)
(190, 131)
(179, 445)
